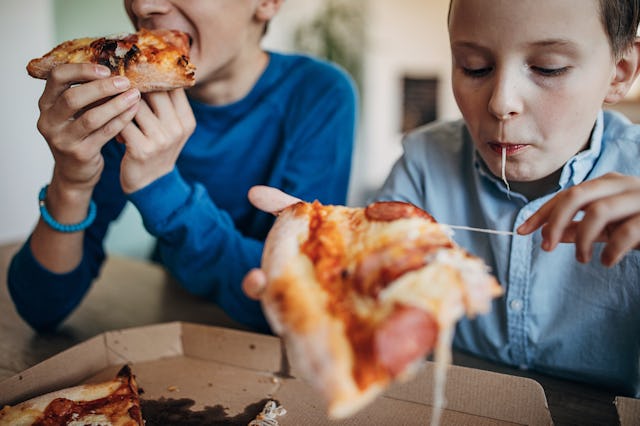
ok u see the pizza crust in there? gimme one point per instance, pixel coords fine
(41, 67)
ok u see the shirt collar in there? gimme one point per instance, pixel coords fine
(578, 167)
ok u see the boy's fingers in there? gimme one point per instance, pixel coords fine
(601, 220)
(105, 116)
(160, 104)
(254, 283)
(537, 219)
(183, 109)
(269, 199)
(571, 231)
(557, 214)
(569, 203)
(624, 238)
(65, 75)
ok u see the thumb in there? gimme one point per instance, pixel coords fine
(254, 283)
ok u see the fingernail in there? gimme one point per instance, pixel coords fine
(121, 82)
(132, 96)
(546, 245)
(102, 71)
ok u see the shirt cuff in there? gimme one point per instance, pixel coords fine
(161, 199)
(41, 297)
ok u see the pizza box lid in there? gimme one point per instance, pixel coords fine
(196, 374)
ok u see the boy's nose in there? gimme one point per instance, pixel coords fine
(505, 101)
(146, 8)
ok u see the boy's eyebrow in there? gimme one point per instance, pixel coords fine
(469, 44)
(559, 42)
(553, 42)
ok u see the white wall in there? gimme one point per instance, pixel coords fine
(405, 38)
(25, 162)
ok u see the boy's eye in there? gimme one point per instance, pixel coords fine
(550, 72)
(476, 72)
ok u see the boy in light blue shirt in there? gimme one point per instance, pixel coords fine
(535, 150)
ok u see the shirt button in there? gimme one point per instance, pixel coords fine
(516, 305)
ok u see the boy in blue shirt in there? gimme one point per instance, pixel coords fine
(536, 150)
(184, 158)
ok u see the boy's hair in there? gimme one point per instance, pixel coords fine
(620, 19)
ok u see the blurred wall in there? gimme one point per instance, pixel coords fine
(404, 38)
(82, 18)
(25, 162)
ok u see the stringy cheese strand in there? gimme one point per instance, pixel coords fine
(487, 231)
(504, 167)
(442, 361)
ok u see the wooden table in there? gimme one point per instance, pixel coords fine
(132, 293)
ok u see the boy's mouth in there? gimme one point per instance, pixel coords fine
(511, 148)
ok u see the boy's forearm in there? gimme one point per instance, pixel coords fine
(61, 252)
(56, 251)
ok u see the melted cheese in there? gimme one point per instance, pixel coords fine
(504, 167)
(443, 359)
(89, 420)
(451, 287)
(504, 159)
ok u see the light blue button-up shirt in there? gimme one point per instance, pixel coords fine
(557, 316)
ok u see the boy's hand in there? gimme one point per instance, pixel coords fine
(78, 119)
(611, 206)
(270, 200)
(155, 139)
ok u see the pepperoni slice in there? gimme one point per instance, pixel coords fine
(388, 211)
(407, 335)
(381, 267)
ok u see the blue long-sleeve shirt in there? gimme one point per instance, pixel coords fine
(294, 131)
(557, 316)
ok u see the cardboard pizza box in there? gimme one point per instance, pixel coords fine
(628, 411)
(195, 374)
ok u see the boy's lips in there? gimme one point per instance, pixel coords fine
(511, 148)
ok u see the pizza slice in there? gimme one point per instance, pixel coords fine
(112, 403)
(362, 295)
(152, 60)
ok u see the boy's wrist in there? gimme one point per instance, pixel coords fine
(67, 204)
(64, 226)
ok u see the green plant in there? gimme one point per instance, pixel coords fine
(336, 33)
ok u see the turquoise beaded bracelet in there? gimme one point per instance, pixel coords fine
(62, 227)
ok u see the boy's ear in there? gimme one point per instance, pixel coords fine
(627, 69)
(267, 9)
